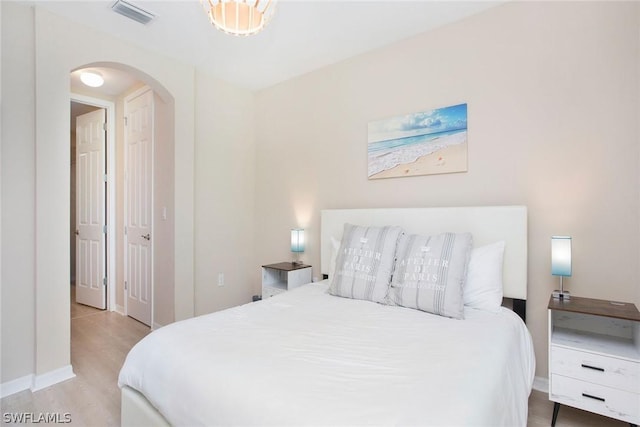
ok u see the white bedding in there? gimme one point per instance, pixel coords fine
(305, 357)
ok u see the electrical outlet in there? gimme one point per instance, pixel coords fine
(220, 279)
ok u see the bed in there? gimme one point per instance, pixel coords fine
(310, 357)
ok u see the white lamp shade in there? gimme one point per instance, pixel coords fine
(297, 240)
(561, 256)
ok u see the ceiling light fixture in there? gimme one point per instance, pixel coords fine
(239, 17)
(92, 78)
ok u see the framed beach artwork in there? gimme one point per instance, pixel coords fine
(425, 143)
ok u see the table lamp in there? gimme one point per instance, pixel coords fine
(297, 243)
(561, 262)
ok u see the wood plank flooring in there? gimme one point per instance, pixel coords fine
(100, 341)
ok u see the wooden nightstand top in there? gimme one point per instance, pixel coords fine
(286, 266)
(598, 307)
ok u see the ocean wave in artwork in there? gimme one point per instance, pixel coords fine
(384, 155)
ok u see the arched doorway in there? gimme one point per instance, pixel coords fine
(121, 84)
(59, 47)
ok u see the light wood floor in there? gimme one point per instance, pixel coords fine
(100, 341)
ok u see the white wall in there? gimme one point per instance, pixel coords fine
(638, 122)
(82, 46)
(18, 180)
(552, 93)
(39, 49)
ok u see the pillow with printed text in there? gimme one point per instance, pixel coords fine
(364, 262)
(430, 272)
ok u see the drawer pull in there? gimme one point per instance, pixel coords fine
(592, 367)
(593, 397)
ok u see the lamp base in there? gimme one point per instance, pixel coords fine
(563, 295)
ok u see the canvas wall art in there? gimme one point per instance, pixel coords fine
(425, 143)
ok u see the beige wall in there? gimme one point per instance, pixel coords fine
(552, 93)
(553, 112)
(224, 194)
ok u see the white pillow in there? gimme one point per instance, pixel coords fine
(335, 246)
(483, 289)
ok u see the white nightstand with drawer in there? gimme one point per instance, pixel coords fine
(594, 357)
(283, 276)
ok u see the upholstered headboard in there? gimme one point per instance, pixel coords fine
(487, 224)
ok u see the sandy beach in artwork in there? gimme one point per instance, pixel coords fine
(425, 143)
(449, 159)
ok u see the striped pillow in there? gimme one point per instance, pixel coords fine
(365, 262)
(430, 272)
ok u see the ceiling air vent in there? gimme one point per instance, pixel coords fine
(132, 12)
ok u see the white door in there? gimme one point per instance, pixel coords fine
(90, 209)
(138, 209)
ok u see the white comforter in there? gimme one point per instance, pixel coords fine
(308, 358)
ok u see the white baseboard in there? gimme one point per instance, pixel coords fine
(52, 377)
(36, 382)
(119, 309)
(16, 386)
(541, 384)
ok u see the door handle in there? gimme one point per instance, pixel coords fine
(77, 232)
(146, 236)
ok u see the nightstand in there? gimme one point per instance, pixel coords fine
(594, 357)
(283, 276)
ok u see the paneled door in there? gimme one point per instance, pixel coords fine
(139, 205)
(91, 284)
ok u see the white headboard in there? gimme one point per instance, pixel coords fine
(487, 224)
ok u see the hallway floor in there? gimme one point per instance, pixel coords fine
(100, 341)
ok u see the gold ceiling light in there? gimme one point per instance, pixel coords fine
(239, 17)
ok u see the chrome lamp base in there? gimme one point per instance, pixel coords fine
(559, 294)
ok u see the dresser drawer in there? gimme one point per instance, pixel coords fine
(611, 402)
(604, 370)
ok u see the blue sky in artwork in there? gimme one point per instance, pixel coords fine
(423, 123)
